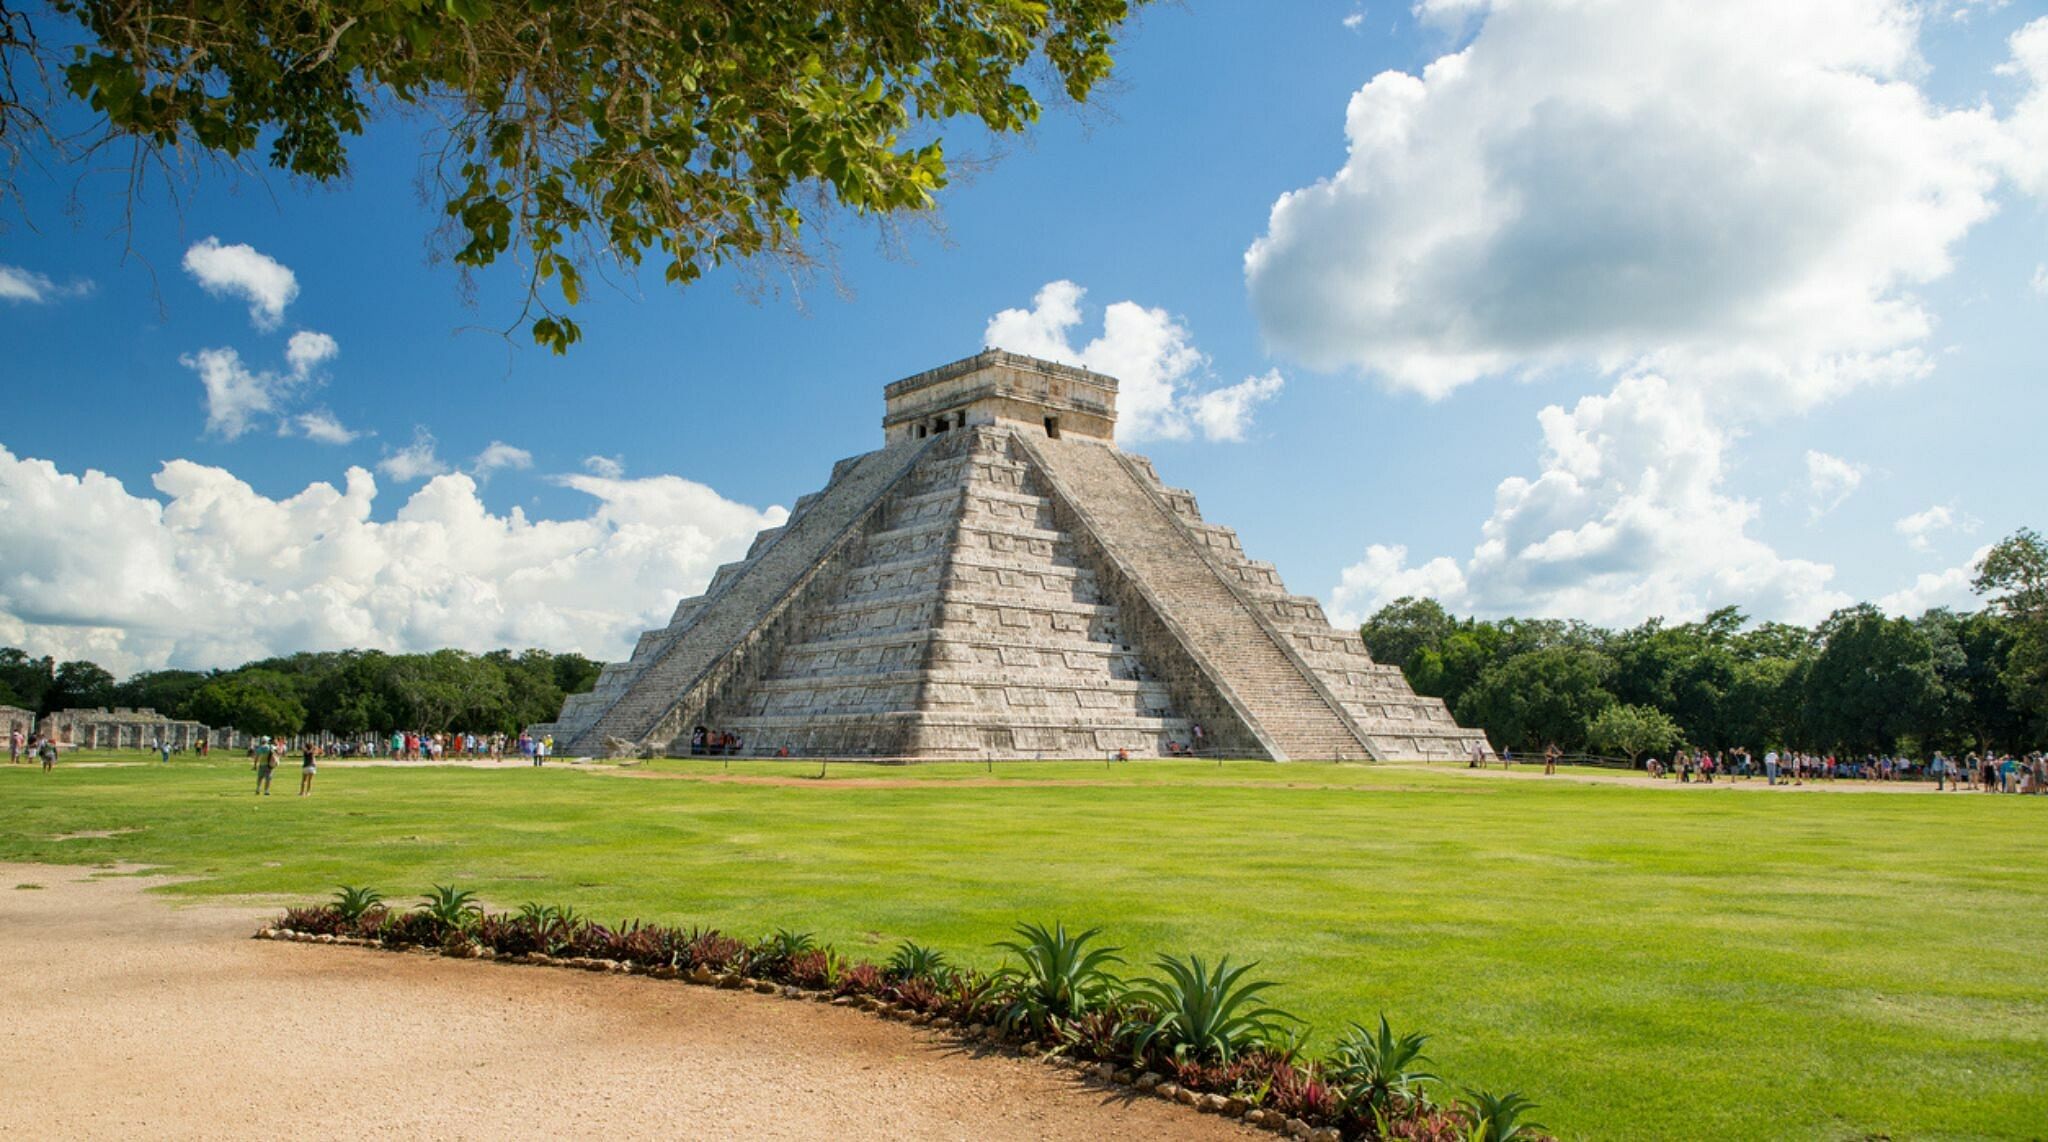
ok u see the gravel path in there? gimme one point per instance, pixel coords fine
(127, 1016)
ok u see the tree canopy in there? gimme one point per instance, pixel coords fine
(339, 692)
(1859, 681)
(695, 132)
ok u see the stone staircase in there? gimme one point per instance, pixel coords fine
(735, 608)
(1244, 658)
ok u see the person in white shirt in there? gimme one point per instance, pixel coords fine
(1771, 766)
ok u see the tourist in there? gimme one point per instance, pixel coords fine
(14, 744)
(1771, 767)
(48, 753)
(306, 770)
(1550, 755)
(1478, 755)
(1197, 746)
(266, 760)
(1939, 766)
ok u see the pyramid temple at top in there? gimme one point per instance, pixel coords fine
(999, 580)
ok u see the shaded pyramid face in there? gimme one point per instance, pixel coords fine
(990, 586)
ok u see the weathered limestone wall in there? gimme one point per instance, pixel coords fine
(119, 728)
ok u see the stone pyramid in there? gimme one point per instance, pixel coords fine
(1001, 581)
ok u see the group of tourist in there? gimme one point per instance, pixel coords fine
(265, 754)
(408, 746)
(43, 749)
(1990, 772)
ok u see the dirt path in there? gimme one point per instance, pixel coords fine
(129, 1017)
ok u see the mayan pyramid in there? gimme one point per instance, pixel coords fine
(999, 580)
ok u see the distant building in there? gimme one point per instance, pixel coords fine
(120, 728)
(14, 718)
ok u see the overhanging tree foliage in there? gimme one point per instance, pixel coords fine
(695, 132)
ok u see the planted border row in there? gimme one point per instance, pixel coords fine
(1193, 1032)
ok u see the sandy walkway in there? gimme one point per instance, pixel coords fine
(128, 1017)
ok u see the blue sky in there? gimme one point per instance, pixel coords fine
(1617, 310)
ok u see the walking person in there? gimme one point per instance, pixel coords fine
(1550, 755)
(48, 753)
(14, 744)
(1940, 767)
(266, 761)
(306, 771)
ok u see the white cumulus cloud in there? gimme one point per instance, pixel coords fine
(237, 395)
(267, 284)
(415, 461)
(1946, 588)
(498, 456)
(23, 285)
(308, 350)
(609, 467)
(1725, 212)
(324, 427)
(1920, 528)
(1627, 517)
(208, 572)
(1149, 352)
(1829, 481)
(1745, 192)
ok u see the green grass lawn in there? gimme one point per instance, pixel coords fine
(1646, 963)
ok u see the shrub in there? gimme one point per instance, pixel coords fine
(715, 951)
(1414, 1122)
(370, 925)
(813, 969)
(915, 961)
(588, 939)
(916, 993)
(352, 903)
(1193, 1012)
(1222, 1077)
(1300, 1092)
(1498, 1117)
(972, 997)
(860, 979)
(1061, 977)
(1104, 1033)
(319, 920)
(413, 927)
(452, 909)
(772, 955)
(506, 935)
(1375, 1066)
(637, 943)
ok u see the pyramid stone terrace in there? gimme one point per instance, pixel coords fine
(1000, 580)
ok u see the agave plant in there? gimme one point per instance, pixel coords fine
(1498, 1118)
(1374, 1066)
(775, 952)
(452, 908)
(1191, 1011)
(915, 961)
(352, 903)
(1061, 976)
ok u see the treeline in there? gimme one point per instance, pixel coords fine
(1860, 682)
(340, 692)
